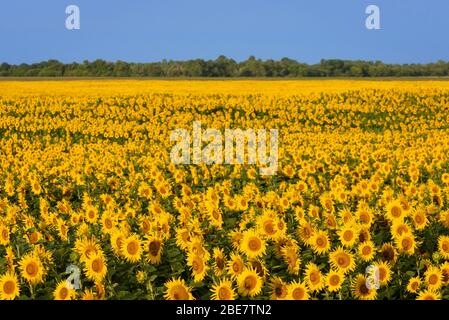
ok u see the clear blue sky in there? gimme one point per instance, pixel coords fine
(151, 30)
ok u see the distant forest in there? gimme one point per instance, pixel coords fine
(225, 67)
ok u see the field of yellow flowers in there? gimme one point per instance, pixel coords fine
(86, 182)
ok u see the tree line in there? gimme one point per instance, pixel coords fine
(224, 67)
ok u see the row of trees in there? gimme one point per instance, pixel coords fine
(225, 67)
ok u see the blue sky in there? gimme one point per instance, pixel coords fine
(412, 31)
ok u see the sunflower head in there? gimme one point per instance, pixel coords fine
(9, 286)
(176, 289)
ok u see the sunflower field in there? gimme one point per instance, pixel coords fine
(86, 183)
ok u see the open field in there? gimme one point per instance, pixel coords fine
(86, 180)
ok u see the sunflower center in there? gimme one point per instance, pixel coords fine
(382, 274)
(97, 265)
(366, 250)
(180, 293)
(406, 244)
(433, 279)
(364, 217)
(197, 266)
(119, 242)
(343, 261)
(132, 248)
(33, 237)
(224, 293)
(320, 242)
(236, 267)
(445, 247)
(298, 293)
(269, 227)
(108, 223)
(254, 244)
(154, 248)
(364, 289)
(348, 235)
(314, 277)
(9, 287)
(388, 254)
(419, 219)
(5, 234)
(215, 214)
(63, 293)
(31, 269)
(250, 282)
(220, 263)
(396, 211)
(334, 280)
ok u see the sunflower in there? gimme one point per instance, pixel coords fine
(395, 211)
(4, 235)
(444, 218)
(132, 248)
(443, 246)
(419, 218)
(297, 291)
(291, 258)
(86, 246)
(313, 277)
(320, 242)
(398, 228)
(215, 217)
(429, 294)
(334, 280)
(154, 246)
(413, 284)
(384, 272)
(9, 286)
(145, 191)
(236, 265)
(342, 260)
(197, 247)
(198, 266)
(364, 215)
(252, 245)
(278, 289)
(388, 253)
(433, 278)
(249, 283)
(176, 289)
(64, 291)
(223, 291)
(267, 226)
(259, 266)
(183, 237)
(445, 272)
(406, 243)
(348, 235)
(305, 230)
(108, 222)
(32, 269)
(88, 295)
(219, 263)
(117, 239)
(366, 251)
(91, 214)
(96, 267)
(360, 290)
